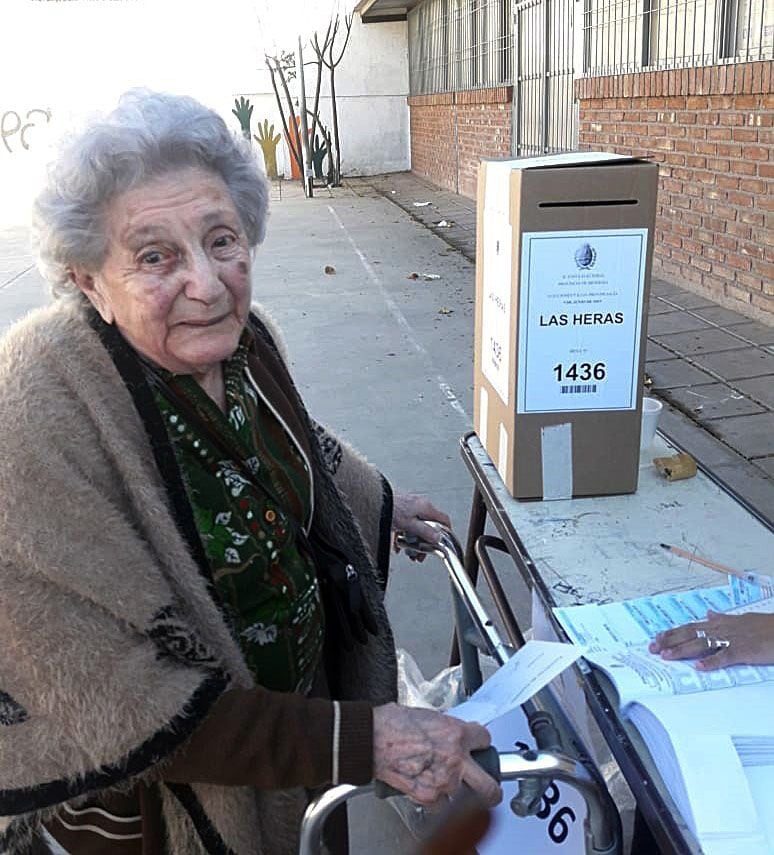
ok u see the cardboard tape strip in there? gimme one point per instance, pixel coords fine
(556, 461)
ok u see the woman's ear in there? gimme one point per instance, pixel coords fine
(93, 288)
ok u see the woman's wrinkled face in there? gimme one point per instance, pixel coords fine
(176, 281)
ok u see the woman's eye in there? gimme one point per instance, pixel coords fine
(222, 241)
(152, 257)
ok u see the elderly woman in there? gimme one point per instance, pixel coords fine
(192, 625)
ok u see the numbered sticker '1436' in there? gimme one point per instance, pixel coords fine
(580, 371)
(559, 817)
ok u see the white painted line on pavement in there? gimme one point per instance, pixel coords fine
(16, 276)
(448, 393)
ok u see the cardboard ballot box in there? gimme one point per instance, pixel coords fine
(563, 258)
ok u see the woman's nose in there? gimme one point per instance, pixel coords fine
(201, 279)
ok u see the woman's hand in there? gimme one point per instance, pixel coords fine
(750, 640)
(408, 511)
(426, 755)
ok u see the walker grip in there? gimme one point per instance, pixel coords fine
(487, 758)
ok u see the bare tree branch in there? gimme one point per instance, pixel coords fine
(348, 24)
(318, 54)
(292, 138)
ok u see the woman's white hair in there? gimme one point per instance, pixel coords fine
(147, 135)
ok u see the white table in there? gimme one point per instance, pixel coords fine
(600, 549)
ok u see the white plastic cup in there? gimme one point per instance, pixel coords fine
(651, 413)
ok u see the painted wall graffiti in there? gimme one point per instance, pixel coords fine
(14, 129)
(267, 140)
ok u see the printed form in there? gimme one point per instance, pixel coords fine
(615, 637)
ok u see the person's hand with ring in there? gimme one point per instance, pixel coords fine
(720, 640)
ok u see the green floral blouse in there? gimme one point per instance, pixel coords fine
(268, 587)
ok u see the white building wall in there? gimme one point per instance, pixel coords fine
(51, 83)
(372, 86)
(371, 92)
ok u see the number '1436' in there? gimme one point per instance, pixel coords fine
(580, 371)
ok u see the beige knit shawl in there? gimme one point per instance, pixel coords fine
(111, 648)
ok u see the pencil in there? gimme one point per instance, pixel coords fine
(713, 565)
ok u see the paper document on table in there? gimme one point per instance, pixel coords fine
(765, 607)
(615, 637)
(633, 623)
(528, 671)
(637, 673)
(750, 597)
(695, 742)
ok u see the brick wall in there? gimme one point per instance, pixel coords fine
(711, 130)
(451, 132)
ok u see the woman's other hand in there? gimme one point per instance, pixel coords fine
(426, 755)
(750, 640)
(409, 511)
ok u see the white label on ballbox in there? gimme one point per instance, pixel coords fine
(580, 316)
(496, 303)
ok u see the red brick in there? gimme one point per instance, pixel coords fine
(671, 239)
(742, 167)
(751, 249)
(725, 242)
(742, 199)
(689, 274)
(750, 280)
(738, 262)
(728, 182)
(744, 135)
(763, 304)
(729, 150)
(766, 270)
(713, 253)
(731, 119)
(755, 152)
(737, 293)
(740, 230)
(754, 218)
(706, 148)
(746, 102)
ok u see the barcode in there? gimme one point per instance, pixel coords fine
(579, 390)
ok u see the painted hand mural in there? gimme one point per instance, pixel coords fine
(243, 110)
(319, 152)
(267, 140)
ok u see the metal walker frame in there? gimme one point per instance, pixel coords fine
(475, 633)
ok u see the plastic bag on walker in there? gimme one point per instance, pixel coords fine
(558, 825)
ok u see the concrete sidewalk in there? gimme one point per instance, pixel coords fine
(712, 366)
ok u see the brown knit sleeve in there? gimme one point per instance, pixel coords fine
(274, 740)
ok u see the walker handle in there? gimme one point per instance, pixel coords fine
(487, 758)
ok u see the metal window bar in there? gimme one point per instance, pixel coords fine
(459, 44)
(621, 36)
(543, 113)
